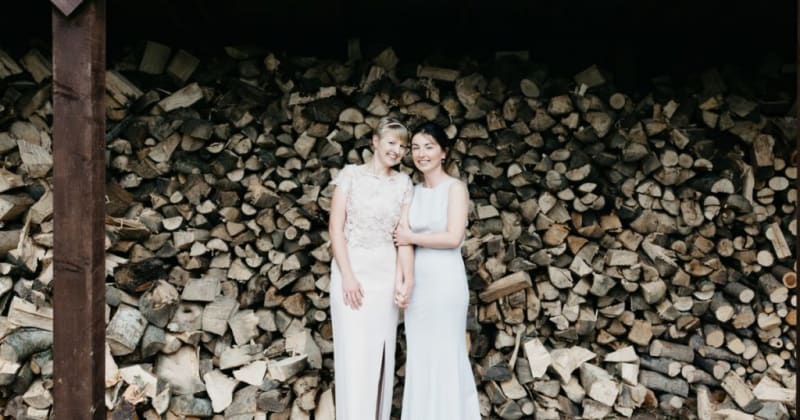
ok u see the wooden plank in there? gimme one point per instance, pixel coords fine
(79, 187)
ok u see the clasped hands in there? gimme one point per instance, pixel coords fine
(353, 293)
(402, 236)
(402, 293)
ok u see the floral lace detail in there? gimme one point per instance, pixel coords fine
(374, 205)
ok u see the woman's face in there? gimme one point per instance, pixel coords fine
(389, 149)
(426, 152)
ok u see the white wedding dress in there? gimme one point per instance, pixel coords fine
(364, 339)
(438, 383)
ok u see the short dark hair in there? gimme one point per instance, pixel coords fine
(438, 134)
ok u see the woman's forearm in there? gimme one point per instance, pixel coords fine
(439, 240)
(340, 254)
(457, 203)
(405, 259)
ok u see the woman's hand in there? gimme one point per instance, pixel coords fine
(352, 292)
(402, 293)
(402, 236)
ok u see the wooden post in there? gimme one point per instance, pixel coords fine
(79, 210)
(797, 186)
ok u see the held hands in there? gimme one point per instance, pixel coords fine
(402, 293)
(402, 235)
(352, 292)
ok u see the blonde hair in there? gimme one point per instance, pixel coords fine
(391, 125)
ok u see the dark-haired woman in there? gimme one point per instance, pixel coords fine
(439, 383)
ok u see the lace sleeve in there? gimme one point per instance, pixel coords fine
(408, 192)
(344, 179)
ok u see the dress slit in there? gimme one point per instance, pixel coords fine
(379, 399)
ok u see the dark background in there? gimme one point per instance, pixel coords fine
(635, 38)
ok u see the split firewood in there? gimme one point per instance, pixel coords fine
(155, 57)
(220, 389)
(25, 314)
(740, 392)
(617, 258)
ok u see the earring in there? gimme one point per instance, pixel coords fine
(443, 160)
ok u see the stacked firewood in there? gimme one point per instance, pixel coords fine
(627, 251)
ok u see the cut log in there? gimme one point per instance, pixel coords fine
(13, 206)
(285, 369)
(37, 65)
(662, 365)
(240, 356)
(786, 275)
(740, 392)
(325, 409)
(220, 389)
(626, 354)
(125, 330)
(680, 352)
(22, 313)
(244, 326)
(217, 314)
(303, 344)
(182, 98)
(506, 285)
(598, 384)
(777, 292)
(181, 370)
(538, 357)
(158, 305)
(662, 383)
(778, 240)
(8, 67)
(739, 292)
(770, 390)
(155, 57)
(182, 66)
(252, 374)
(565, 361)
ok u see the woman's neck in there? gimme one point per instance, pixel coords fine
(375, 167)
(434, 178)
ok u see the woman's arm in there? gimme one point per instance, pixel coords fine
(352, 292)
(404, 279)
(457, 208)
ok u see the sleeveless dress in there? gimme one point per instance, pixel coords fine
(364, 339)
(438, 383)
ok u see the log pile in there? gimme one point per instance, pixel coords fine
(627, 251)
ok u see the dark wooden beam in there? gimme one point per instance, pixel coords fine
(66, 6)
(79, 43)
(797, 186)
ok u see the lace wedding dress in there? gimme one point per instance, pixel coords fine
(364, 339)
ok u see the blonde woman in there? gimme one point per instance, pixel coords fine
(370, 277)
(438, 382)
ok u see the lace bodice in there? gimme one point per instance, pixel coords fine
(374, 205)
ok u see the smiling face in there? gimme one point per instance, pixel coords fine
(389, 148)
(427, 153)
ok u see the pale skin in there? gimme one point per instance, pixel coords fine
(428, 157)
(389, 150)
